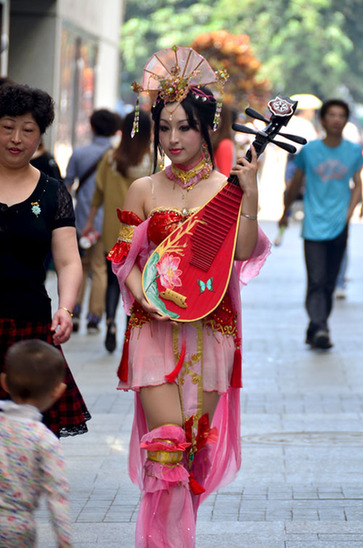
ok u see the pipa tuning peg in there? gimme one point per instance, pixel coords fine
(243, 129)
(289, 148)
(294, 138)
(254, 114)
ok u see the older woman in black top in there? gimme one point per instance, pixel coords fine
(36, 216)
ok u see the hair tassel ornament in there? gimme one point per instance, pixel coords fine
(222, 79)
(135, 126)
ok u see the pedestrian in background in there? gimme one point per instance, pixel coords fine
(223, 143)
(36, 216)
(81, 171)
(328, 165)
(350, 133)
(44, 161)
(31, 457)
(116, 171)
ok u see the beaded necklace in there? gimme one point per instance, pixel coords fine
(188, 176)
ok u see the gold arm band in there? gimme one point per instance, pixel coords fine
(126, 233)
(250, 217)
(165, 457)
(66, 309)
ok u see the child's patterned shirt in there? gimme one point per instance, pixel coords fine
(31, 464)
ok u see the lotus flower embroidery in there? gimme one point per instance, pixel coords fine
(167, 269)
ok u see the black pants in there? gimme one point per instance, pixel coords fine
(322, 259)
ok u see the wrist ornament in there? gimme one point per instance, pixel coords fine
(250, 217)
(67, 310)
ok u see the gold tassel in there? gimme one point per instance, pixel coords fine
(135, 125)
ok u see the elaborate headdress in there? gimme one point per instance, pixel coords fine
(171, 73)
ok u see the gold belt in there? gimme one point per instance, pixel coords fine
(165, 457)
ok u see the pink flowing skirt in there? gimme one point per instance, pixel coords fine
(155, 347)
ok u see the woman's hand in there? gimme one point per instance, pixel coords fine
(134, 284)
(88, 227)
(248, 229)
(152, 310)
(247, 173)
(284, 221)
(62, 326)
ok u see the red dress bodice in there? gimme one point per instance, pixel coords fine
(163, 221)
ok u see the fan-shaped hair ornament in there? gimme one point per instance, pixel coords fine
(171, 73)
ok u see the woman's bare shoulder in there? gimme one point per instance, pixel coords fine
(141, 183)
(144, 184)
(139, 194)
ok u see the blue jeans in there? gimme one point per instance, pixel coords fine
(323, 260)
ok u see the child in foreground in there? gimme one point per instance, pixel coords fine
(31, 457)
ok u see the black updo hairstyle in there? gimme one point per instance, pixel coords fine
(19, 99)
(197, 106)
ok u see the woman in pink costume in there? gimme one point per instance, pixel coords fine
(185, 440)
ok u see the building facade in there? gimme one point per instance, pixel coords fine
(70, 48)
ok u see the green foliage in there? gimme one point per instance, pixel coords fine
(301, 43)
(352, 26)
(151, 25)
(305, 46)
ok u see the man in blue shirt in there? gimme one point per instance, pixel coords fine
(328, 166)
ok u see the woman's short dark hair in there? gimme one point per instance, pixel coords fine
(201, 106)
(19, 99)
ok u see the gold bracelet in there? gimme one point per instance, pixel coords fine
(66, 309)
(250, 217)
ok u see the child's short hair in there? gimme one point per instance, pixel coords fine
(33, 368)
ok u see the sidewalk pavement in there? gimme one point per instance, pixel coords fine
(301, 481)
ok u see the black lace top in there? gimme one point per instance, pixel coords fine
(25, 240)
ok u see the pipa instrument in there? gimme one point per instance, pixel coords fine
(187, 275)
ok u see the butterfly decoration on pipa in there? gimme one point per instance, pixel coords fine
(200, 252)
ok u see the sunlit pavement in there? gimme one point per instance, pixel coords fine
(301, 481)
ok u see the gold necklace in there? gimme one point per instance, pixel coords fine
(188, 178)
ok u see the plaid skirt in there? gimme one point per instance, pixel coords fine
(68, 415)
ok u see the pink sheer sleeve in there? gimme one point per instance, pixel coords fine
(247, 270)
(138, 254)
